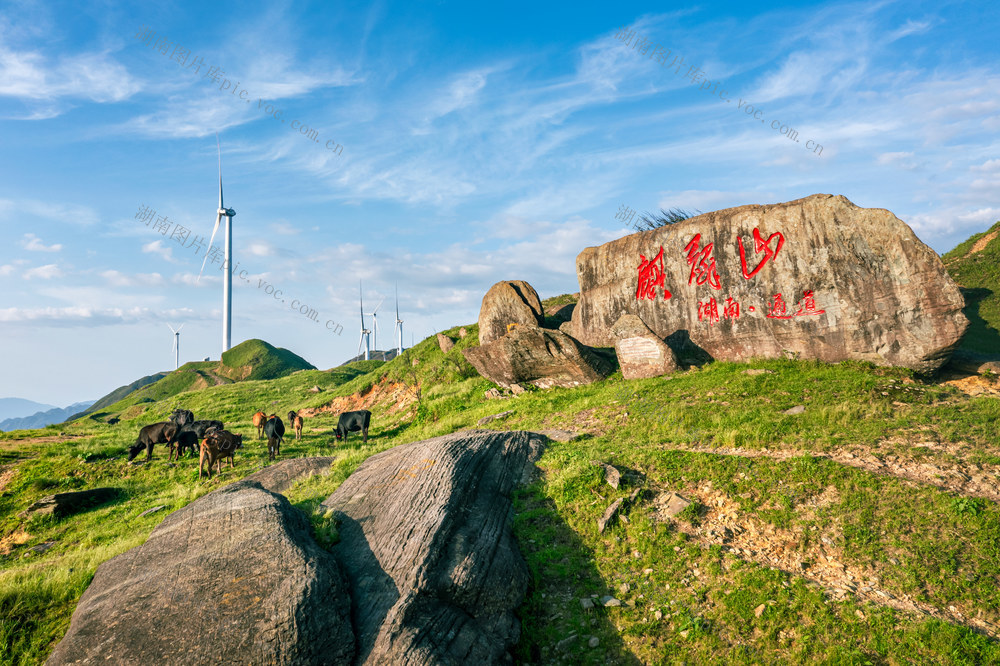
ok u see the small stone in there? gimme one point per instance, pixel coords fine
(658, 615)
(797, 409)
(759, 610)
(758, 371)
(565, 643)
(586, 603)
(859, 614)
(594, 641)
(647, 571)
(149, 511)
(608, 601)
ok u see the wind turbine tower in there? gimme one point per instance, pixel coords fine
(399, 326)
(374, 315)
(177, 344)
(365, 333)
(227, 266)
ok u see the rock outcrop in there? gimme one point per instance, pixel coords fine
(281, 476)
(234, 577)
(641, 353)
(508, 302)
(445, 342)
(813, 278)
(425, 537)
(539, 356)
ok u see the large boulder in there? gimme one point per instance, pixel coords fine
(508, 302)
(641, 353)
(425, 536)
(234, 577)
(539, 356)
(815, 278)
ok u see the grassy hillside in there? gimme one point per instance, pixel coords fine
(247, 361)
(863, 529)
(975, 266)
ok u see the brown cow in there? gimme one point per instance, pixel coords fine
(296, 422)
(258, 422)
(218, 445)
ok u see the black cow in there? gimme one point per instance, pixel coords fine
(182, 438)
(352, 421)
(155, 433)
(275, 431)
(181, 417)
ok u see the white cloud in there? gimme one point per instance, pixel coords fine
(118, 279)
(261, 249)
(903, 160)
(89, 316)
(46, 272)
(6, 269)
(158, 247)
(96, 76)
(48, 210)
(34, 243)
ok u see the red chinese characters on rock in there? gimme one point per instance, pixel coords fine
(702, 263)
(760, 245)
(651, 276)
(807, 306)
(708, 310)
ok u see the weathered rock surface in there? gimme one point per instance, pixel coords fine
(65, 504)
(234, 577)
(445, 343)
(539, 356)
(425, 536)
(508, 302)
(817, 277)
(641, 353)
(281, 476)
(559, 314)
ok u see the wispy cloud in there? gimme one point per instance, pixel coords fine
(31, 76)
(46, 272)
(160, 248)
(33, 243)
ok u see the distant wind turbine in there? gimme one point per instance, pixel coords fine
(399, 326)
(177, 344)
(374, 315)
(365, 333)
(227, 278)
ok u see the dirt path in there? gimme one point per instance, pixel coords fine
(964, 478)
(753, 540)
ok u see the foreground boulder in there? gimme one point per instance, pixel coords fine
(425, 536)
(641, 353)
(539, 356)
(816, 278)
(508, 302)
(234, 577)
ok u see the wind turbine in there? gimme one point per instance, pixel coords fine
(374, 315)
(177, 344)
(365, 333)
(227, 266)
(399, 326)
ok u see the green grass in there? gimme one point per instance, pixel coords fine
(979, 276)
(681, 602)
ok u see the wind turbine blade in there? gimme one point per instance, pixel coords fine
(397, 302)
(171, 328)
(180, 327)
(219, 146)
(218, 218)
(379, 305)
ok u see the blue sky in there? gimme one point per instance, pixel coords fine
(476, 144)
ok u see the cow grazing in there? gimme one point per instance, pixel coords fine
(185, 439)
(195, 428)
(296, 422)
(216, 447)
(352, 421)
(275, 431)
(154, 433)
(258, 422)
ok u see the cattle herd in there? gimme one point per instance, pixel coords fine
(180, 432)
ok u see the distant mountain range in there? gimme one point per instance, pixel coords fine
(13, 407)
(40, 419)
